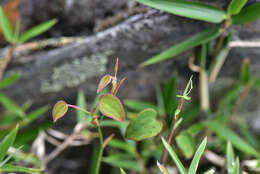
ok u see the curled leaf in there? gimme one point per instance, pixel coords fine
(110, 106)
(104, 82)
(59, 110)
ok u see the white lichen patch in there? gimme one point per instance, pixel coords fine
(72, 74)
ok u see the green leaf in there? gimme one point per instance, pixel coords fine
(227, 134)
(186, 143)
(162, 168)
(33, 115)
(81, 102)
(245, 74)
(198, 39)
(139, 105)
(13, 168)
(6, 26)
(248, 14)
(230, 158)
(122, 171)
(195, 161)
(144, 126)
(235, 6)
(174, 157)
(9, 80)
(10, 156)
(122, 145)
(169, 92)
(256, 83)
(7, 142)
(36, 30)
(124, 161)
(237, 166)
(104, 82)
(59, 110)
(11, 106)
(243, 125)
(211, 171)
(110, 106)
(189, 9)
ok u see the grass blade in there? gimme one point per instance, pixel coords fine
(13, 168)
(194, 41)
(9, 80)
(122, 171)
(7, 142)
(248, 14)
(235, 6)
(6, 26)
(227, 134)
(189, 9)
(36, 30)
(237, 166)
(174, 157)
(81, 102)
(195, 161)
(230, 158)
(162, 168)
(11, 106)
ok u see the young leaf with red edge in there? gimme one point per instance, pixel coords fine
(59, 110)
(110, 106)
(104, 82)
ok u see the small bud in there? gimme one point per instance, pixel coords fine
(94, 121)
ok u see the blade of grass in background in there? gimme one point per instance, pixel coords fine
(227, 134)
(36, 30)
(11, 168)
(230, 157)
(211, 171)
(248, 14)
(11, 106)
(237, 166)
(245, 74)
(33, 116)
(162, 168)
(81, 102)
(6, 26)
(195, 161)
(139, 105)
(174, 157)
(235, 6)
(10, 80)
(189, 9)
(194, 41)
(7, 142)
(122, 171)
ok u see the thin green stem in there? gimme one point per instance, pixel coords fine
(78, 108)
(100, 154)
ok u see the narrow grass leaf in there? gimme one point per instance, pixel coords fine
(13, 168)
(11, 106)
(162, 168)
(248, 14)
(6, 26)
(10, 80)
(174, 157)
(248, 134)
(33, 116)
(195, 161)
(227, 134)
(36, 30)
(169, 92)
(245, 74)
(139, 105)
(237, 166)
(211, 171)
(10, 156)
(122, 145)
(7, 142)
(189, 9)
(194, 41)
(235, 6)
(230, 158)
(81, 102)
(122, 171)
(110, 106)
